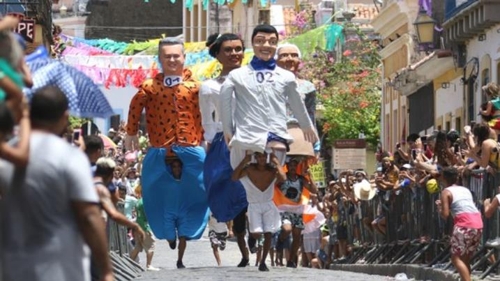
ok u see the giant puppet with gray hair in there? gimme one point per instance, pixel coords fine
(174, 196)
(288, 56)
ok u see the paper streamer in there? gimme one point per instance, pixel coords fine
(150, 47)
(110, 63)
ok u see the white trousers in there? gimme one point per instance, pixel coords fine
(263, 217)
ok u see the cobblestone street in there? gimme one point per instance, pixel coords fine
(201, 265)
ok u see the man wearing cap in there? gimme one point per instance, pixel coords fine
(405, 176)
(111, 133)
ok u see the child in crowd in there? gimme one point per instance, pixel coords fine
(217, 232)
(148, 244)
(13, 108)
(321, 260)
(14, 74)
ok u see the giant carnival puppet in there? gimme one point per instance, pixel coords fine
(292, 195)
(172, 174)
(256, 123)
(226, 198)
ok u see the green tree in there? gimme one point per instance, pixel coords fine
(348, 88)
(76, 122)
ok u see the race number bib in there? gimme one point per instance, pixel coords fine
(171, 81)
(264, 76)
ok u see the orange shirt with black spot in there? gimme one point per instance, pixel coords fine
(172, 113)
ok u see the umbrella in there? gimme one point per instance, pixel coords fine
(108, 143)
(84, 96)
(39, 63)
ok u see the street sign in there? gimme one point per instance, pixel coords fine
(25, 27)
(349, 154)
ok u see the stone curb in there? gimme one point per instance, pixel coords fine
(411, 270)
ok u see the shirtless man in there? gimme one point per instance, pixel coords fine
(105, 168)
(259, 179)
(103, 176)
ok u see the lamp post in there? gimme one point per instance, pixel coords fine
(424, 26)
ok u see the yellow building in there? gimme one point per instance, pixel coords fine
(421, 91)
(394, 25)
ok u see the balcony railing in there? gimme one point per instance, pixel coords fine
(469, 18)
(454, 7)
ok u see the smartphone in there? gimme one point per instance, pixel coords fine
(414, 154)
(425, 147)
(456, 148)
(472, 124)
(398, 145)
(76, 135)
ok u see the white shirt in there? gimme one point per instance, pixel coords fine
(40, 237)
(209, 102)
(260, 107)
(217, 227)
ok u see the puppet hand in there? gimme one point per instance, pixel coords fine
(227, 138)
(310, 135)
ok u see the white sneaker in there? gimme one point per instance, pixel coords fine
(152, 268)
(493, 242)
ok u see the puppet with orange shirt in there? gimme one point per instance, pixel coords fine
(174, 196)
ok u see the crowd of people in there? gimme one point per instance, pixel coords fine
(216, 153)
(437, 166)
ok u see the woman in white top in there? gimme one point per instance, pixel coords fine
(226, 198)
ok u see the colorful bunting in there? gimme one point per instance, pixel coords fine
(112, 63)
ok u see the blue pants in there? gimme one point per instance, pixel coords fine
(175, 208)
